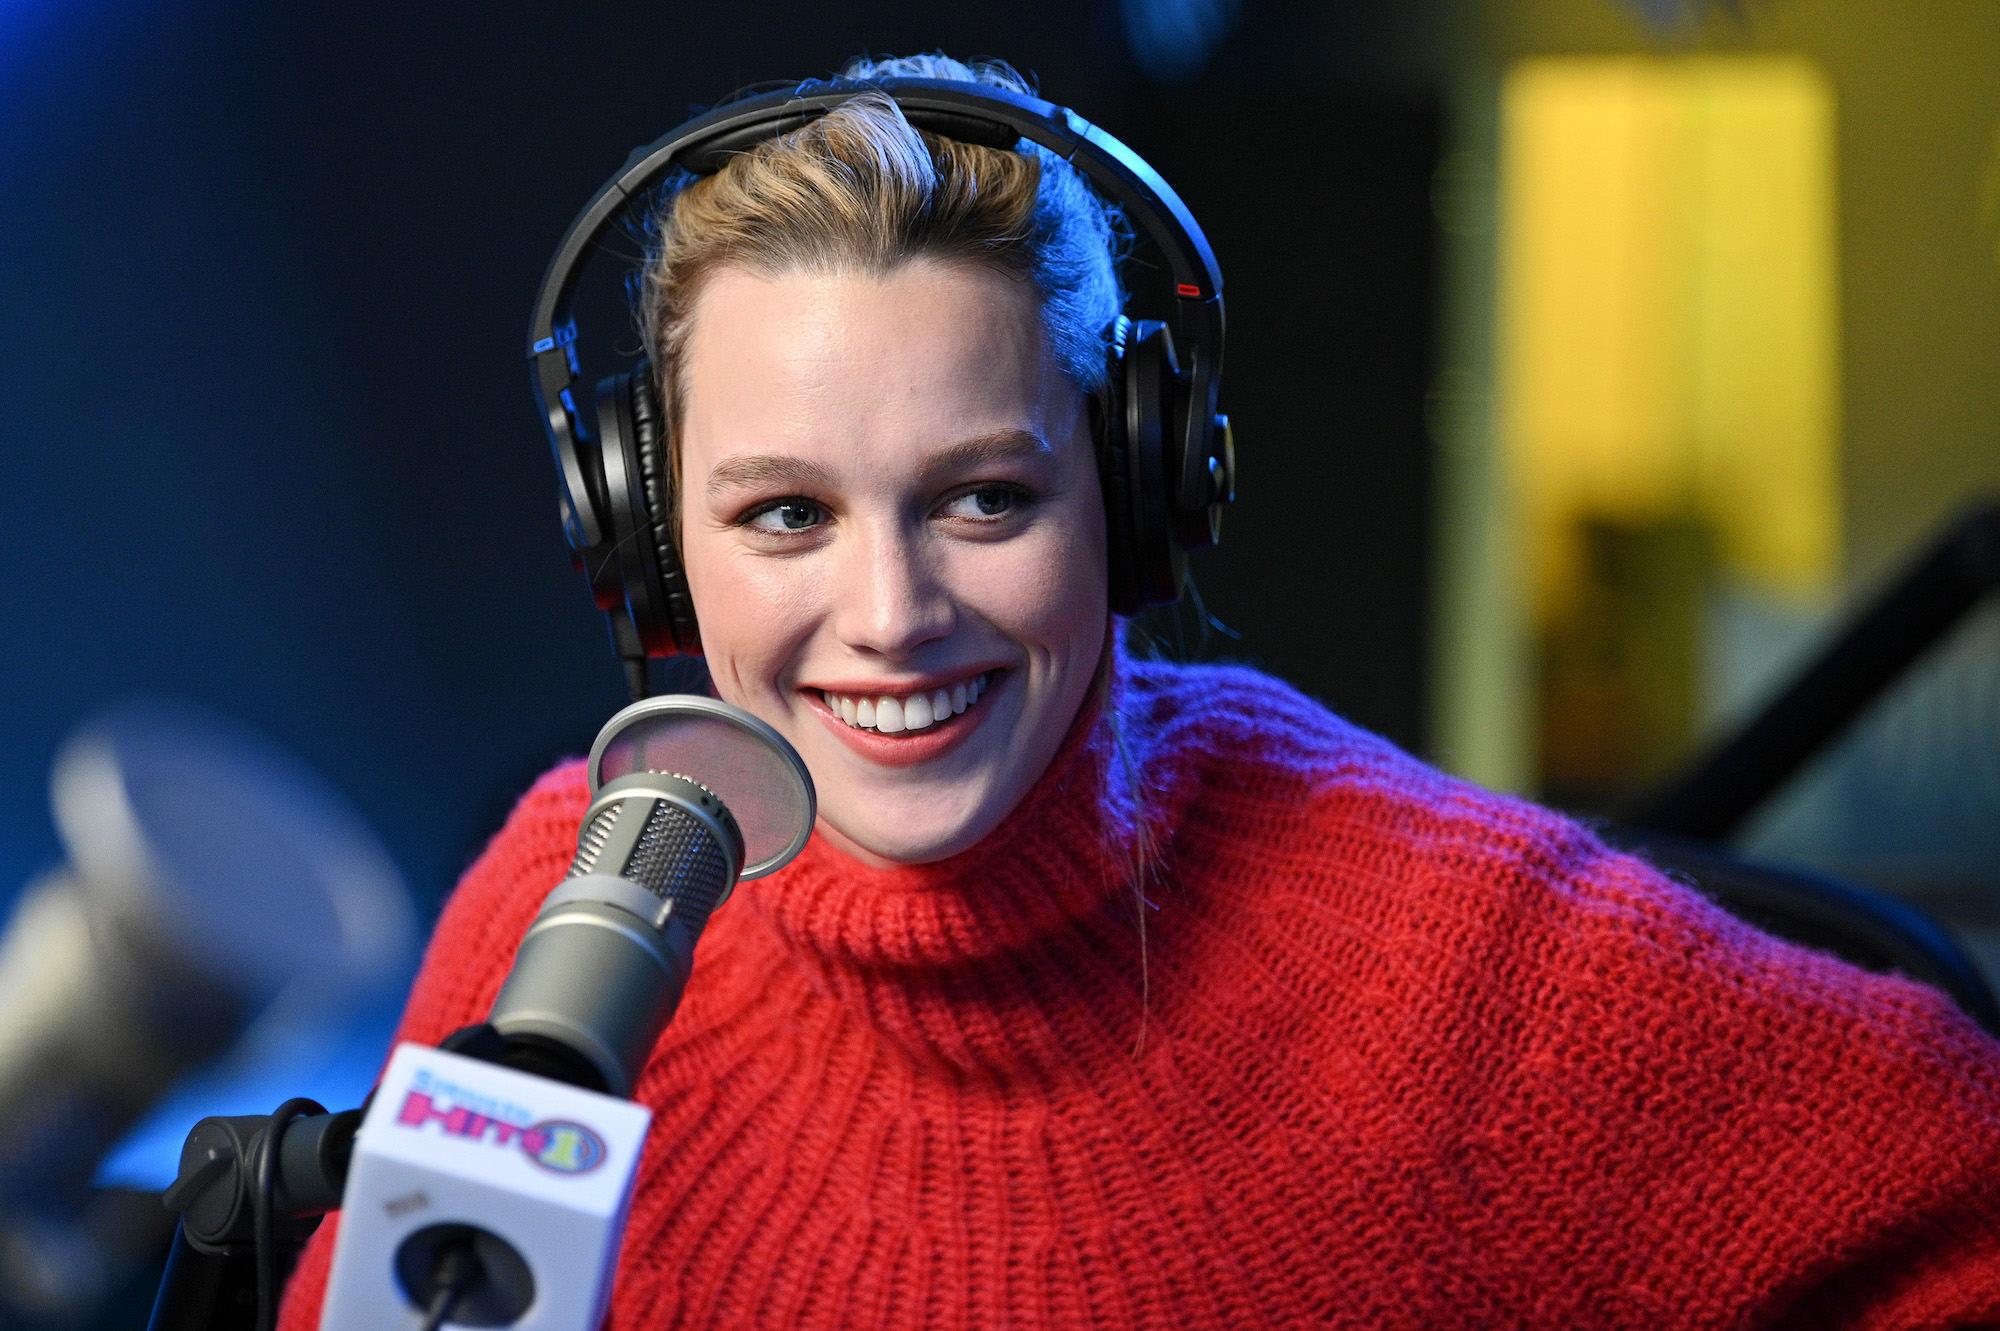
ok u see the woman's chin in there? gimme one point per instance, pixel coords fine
(886, 839)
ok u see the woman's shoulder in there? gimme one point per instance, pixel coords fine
(1230, 730)
(1233, 734)
(1236, 730)
(1340, 850)
(1288, 803)
(1496, 973)
(1235, 709)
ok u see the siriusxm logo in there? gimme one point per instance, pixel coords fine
(554, 1144)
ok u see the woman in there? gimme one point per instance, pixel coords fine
(1114, 993)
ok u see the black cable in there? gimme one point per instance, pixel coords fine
(265, 1203)
(457, 1266)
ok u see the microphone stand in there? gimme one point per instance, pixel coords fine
(253, 1188)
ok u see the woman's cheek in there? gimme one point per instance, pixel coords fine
(759, 613)
(1041, 597)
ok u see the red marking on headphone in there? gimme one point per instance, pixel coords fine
(1186, 290)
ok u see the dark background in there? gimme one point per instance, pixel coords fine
(267, 438)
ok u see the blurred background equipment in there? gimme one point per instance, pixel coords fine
(1717, 794)
(1719, 356)
(1671, 379)
(1679, 825)
(213, 886)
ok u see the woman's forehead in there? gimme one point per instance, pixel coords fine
(807, 329)
(917, 367)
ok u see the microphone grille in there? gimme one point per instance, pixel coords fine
(674, 856)
(591, 844)
(678, 860)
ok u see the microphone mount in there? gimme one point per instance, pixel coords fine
(247, 1207)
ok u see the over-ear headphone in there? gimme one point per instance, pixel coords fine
(1167, 460)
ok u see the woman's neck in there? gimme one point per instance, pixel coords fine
(1037, 919)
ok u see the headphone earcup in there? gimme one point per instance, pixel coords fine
(638, 484)
(1151, 380)
(1114, 474)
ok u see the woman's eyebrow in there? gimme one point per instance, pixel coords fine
(764, 469)
(761, 470)
(1009, 445)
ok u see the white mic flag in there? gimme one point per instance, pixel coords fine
(538, 1172)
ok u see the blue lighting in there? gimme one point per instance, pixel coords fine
(1173, 39)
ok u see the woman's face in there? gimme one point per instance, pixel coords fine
(894, 537)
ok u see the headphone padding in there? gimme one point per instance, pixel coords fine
(653, 455)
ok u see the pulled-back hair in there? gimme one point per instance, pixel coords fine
(861, 188)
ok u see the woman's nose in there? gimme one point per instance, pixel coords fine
(889, 601)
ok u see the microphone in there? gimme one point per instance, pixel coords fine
(490, 1178)
(210, 877)
(602, 968)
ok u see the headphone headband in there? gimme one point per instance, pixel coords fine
(969, 112)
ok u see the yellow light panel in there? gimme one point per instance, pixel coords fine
(1668, 310)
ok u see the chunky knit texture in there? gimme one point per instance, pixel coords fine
(1388, 1051)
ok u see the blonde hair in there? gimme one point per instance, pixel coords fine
(861, 188)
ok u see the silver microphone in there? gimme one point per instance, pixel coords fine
(689, 795)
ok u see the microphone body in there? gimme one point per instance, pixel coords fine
(602, 968)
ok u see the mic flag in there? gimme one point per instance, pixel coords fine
(532, 1176)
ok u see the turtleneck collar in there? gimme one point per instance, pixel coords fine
(1055, 858)
(1039, 909)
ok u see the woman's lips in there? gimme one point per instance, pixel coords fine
(905, 747)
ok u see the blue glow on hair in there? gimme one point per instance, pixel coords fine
(1078, 236)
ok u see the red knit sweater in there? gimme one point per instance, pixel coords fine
(1389, 1051)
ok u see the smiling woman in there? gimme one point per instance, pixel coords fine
(1117, 993)
(889, 480)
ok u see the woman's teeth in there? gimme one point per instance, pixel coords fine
(913, 711)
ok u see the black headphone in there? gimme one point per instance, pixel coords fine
(1167, 460)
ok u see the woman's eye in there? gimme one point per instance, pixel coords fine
(787, 515)
(990, 502)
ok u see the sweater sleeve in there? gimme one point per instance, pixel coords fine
(1648, 1100)
(1824, 1140)
(1537, 1082)
(467, 961)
